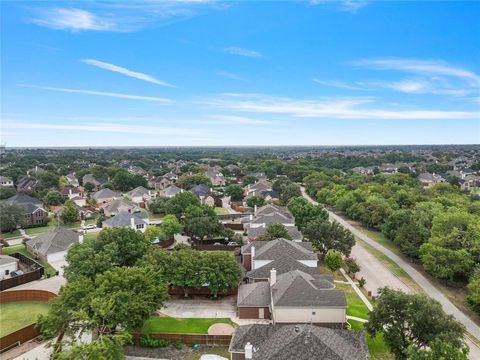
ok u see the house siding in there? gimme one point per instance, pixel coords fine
(237, 356)
(247, 262)
(301, 315)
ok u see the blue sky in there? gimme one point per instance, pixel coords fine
(193, 72)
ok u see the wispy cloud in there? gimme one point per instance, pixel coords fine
(73, 19)
(424, 67)
(351, 6)
(332, 108)
(106, 127)
(339, 84)
(235, 50)
(125, 71)
(230, 75)
(120, 16)
(100, 93)
(232, 119)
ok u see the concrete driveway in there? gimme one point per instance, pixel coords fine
(201, 308)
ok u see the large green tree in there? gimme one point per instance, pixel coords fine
(11, 216)
(188, 181)
(275, 231)
(304, 211)
(234, 191)
(412, 321)
(180, 202)
(170, 226)
(325, 236)
(112, 248)
(70, 213)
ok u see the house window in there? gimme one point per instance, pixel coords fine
(7, 272)
(314, 313)
(140, 226)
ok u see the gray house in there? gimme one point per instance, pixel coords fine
(299, 342)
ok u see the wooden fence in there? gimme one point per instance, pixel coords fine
(35, 274)
(30, 331)
(204, 339)
(211, 247)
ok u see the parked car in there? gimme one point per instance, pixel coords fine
(212, 357)
(89, 226)
(232, 243)
(217, 244)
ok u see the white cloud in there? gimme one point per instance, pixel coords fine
(106, 127)
(339, 84)
(101, 93)
(238, 120)
(351, 6)
(424, 67)
(73, 19)
(125, 71)
(333, 108)
(409, 86)
(235, 50)
(230, 75)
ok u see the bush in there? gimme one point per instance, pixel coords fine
(147, 341)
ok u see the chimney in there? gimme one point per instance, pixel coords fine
(248, 351)
(132, 222)
(70, 192)
(251, 217)
(255, 210)
(252, 257)
(273, 276)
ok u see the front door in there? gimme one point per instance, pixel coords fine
(261, 313)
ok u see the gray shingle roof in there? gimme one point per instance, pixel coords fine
(54, 241)
(118, 205)
(282, 265)
(255, 294)
(138, 191)
(105, 193)
(23, 199)
(299, 342)
(171, 190)
(292, 230)
(273, 218)
(123, 219)
(298, 289)
(278, 248)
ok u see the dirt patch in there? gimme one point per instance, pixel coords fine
(220, 329)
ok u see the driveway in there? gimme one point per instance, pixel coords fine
(201, 308)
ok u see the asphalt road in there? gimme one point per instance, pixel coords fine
(429, 289)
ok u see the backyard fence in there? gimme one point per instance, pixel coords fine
(30, 331)
(32, 275)
(200, 291)
(211, 247)
(204, 339)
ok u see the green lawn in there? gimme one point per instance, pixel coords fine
(16, 315)
(9, 235)
(221, 210)
(376, 346)
(181, 325)
(355, 305)
(21, 249)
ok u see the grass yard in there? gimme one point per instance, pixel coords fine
(376, 346)
(213, 350)
(21, 249)
(90, 236)
(221, 210)
(355, 305)
(9, 235)
(16, 315)
(182, 325)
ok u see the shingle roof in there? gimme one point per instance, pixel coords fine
(138, 191)
(123, 219)
(282, 265)
(23, 199)
(118, 205)
(200, 190)
(292, 230)
(171, 190)
(278, 248)
(54, 241)
(255, 294)
(298, 289)
(273, 218)
(105, 193)
(299, 342)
